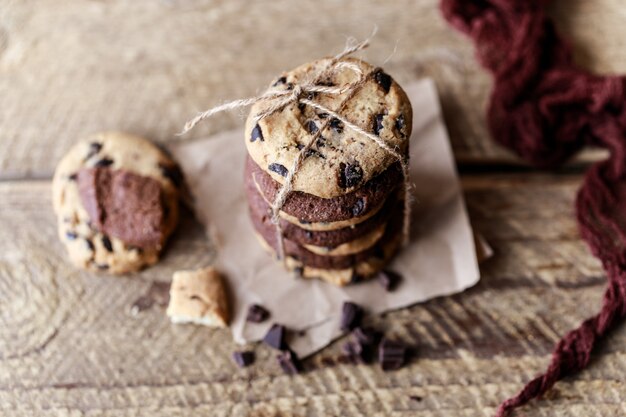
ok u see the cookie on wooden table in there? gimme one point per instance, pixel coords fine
(198, 297)
(116, 197)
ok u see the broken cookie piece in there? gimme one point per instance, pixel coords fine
(198, 297)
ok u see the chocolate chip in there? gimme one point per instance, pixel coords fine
(71, 235)
(281, 80)
(355, 278)
(298, 271)
(172, 173)
(322, 115)
(400, 125)
(90, 245)
(358, 207)
(275, 337)
(378, 124)
(73, 177)
(106, 242)
(383, 80)
(312, 127)
(103, 163)
(102, 267)
(94, 148)
(313, 152)
(391, 355)
(321, 142)
(389, 279)
(336, 125)
(278, 168)
(366, 335)
(257, 133)
(350, 175)
(141, 304)
(354, 351)
(299, 146)
(257, 314)
(289, 362)
(416, 398)
(243, 359)
(351, 315)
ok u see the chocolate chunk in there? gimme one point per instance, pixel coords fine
(106, 242)
(366, 335)
(350, 175)
(400, 125)
(391, 355)
(354, 351)
(278, 168)
(321, 142)
(389, 279)
(313, 152)
(298, 271)
(312, 127)
(289, 362)
(243, 359)
(90, 245)
(141, 304)
(358, 207)
(94, 148)
(257, 133)
(71, 235)
(257, 314)
(355, 278)
(299, 146)
(383, 80)
(378, 124)
(103, 163)
(281, 80)
(172, 173)
(336, 125)
(124, 205)
(275, 337)
(351, 315)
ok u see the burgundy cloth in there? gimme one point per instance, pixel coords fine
(545, 108)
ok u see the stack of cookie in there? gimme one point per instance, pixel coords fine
(343, 219)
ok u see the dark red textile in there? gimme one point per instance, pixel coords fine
(545, 108)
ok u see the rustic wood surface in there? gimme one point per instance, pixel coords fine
(70, 344)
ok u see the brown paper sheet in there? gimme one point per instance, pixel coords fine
(440, 259)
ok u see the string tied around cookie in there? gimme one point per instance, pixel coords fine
(302, 93)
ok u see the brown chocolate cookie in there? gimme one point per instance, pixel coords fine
(267, 231)
(311, 209)
(260, 210)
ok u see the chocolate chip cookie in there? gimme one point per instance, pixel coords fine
(116, 199)
(341, 160)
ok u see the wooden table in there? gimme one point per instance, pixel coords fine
(69, 344)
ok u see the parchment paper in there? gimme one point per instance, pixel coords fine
(440, 259)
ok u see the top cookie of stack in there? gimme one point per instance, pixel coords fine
(343, 217)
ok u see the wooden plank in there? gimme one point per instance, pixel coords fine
(71, 68)
(70, 346)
